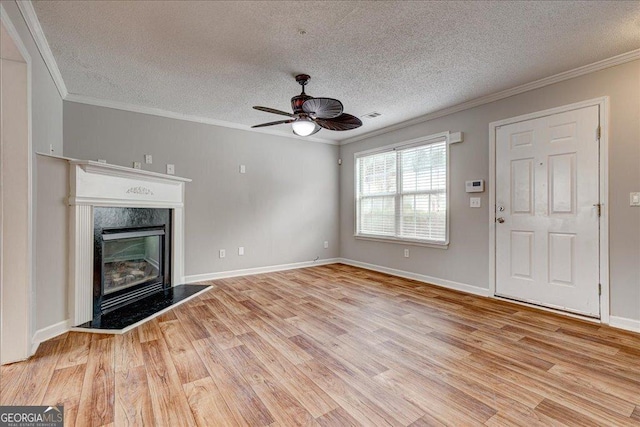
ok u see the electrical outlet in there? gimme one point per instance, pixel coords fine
(137, 165)
(171, 169)
(148, 159)
(634, 199)
(223, 253)
(50, 148)
(474, 202)
(326, 244)
(406, 253)
(243, 169)
(241, 250)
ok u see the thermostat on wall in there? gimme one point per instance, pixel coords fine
(475, 186)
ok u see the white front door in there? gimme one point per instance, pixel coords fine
(547, 211)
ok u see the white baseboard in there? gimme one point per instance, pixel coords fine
(193, 278)
(476, 290)
(49, 332)
(624, 323)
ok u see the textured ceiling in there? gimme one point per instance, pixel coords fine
(217, 59)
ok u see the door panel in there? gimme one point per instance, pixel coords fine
(547, 248)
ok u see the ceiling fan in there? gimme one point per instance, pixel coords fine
(312, 114)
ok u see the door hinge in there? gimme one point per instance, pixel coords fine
(599, 288)
(598, 133)
(598, 207)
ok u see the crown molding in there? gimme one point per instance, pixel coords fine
(566, 75)
(81, 99)
(31, 19)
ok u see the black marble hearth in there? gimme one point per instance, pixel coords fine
(134, 312)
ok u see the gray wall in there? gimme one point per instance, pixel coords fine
(281, 210)
(467, 259)
(46, 130)
(52, 259)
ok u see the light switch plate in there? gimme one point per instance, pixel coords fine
(148, 159)
(475, 202)
(243, 169)
(223, 253)
(171, 169)
(137, 165)
(241, 250)
(634, 199)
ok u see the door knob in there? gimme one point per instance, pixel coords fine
(500, 220)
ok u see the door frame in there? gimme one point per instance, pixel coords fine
(603, 104)
(28, 286)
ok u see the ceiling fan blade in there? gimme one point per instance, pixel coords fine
(342, 122)
(323, 108)
(279, 122)
(273, 110)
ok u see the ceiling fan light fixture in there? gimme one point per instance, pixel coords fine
(303, 126)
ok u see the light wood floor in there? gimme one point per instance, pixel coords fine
(337, 345)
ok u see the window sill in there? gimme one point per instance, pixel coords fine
(402, 241)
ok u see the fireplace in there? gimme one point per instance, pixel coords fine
(131, 256)
(106, 200)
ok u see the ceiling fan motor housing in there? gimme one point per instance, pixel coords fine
(298, 100)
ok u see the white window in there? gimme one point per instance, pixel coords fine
(402, 192)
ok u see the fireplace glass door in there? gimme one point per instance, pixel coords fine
(129, 261)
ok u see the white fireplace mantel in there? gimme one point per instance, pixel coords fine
(100, 184)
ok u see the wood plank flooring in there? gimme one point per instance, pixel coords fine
(336, 346)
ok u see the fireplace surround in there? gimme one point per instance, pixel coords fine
(95, 186)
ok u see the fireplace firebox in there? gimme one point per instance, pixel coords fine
(131, 256)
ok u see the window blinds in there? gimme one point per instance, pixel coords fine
(402, 193)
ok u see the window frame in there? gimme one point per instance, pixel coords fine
(422, 141)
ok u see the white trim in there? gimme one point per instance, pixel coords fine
(49, 332)
(566, 75)
(605, 298)
(119, 203)
(55, 156)
(91, 166)
(624, 323)
(82, 99)
(80, 289)
(194, 278)
(30, 17)
(30, 283)
(423, 140)
(145, 320)
(401, 241)
(603, 104)
(443, 283)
